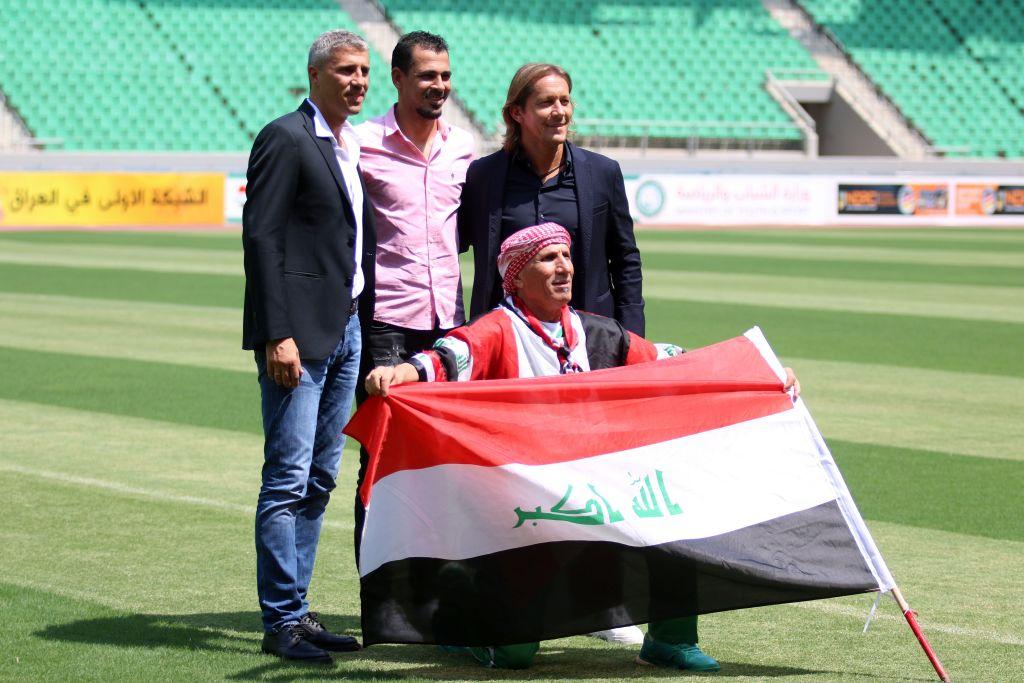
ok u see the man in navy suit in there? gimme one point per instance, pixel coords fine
(309, 245)
(539, 177)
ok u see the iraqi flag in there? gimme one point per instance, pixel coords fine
(512, 511)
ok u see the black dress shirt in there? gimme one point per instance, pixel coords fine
(528, 201)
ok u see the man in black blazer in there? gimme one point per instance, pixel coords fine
(309, 245)
(539, 177)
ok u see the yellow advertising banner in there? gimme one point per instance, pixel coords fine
(109, 199)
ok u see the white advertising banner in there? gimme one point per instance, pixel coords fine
(730, 199)
(714, 200)
(234, 197)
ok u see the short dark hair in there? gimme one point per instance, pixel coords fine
(401, 56)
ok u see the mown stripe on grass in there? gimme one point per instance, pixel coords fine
(868, 402)
(979, 609)
(179, 239)
(845, 270)
(977, 496)
(904, 486)
(929, 238)
(202, 397)
(61, 632)
(995, 257)
(950, 577)
(58, 633)
(171, 460)
(200, 336)
(229, 400)
(92, 538)
(872, 403)
(951, 412)
(858, 614)
(156, 554)
(153, 259)
(876, 403)
(118, 488)
(134, 455)
(1003, 304)
(784, 643)
(126, 285)
(949, 344)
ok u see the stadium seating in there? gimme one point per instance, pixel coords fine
(100, 76)
(201, 75)
(954, 67)
(631, 60)
(254, 53)
(205, 75)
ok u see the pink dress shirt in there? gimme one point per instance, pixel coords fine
(414, 206)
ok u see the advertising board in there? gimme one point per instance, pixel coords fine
(910, 199)
(729, 199)
(713, 200)
(974, 199)
(45, 199)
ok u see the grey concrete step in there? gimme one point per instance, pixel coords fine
(851, 84)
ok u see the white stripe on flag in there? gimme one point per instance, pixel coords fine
(851, 514)
(721, 480)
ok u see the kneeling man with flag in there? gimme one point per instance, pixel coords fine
(534, 333)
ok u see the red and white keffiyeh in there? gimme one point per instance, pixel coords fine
(523, 245)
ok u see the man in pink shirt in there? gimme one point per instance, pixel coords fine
(414, 165)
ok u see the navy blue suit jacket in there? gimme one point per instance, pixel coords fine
(607, 278)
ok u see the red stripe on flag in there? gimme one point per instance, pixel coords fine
(556, 419)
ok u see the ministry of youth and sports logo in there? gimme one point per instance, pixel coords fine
(650, 198)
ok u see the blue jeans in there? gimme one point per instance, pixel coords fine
(301, 455)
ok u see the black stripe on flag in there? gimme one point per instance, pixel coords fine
(551, 590)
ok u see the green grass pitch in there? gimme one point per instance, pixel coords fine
(130, 452)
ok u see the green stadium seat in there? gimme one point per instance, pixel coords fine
(957, 75)
(682, 46)
(133, 63)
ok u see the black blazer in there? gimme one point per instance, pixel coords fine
(607, 278)
(298, 233)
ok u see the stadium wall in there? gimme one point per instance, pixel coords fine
(208, 190)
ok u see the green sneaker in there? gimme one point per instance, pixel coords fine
(501, 657)
(483, 655)
(684, 656)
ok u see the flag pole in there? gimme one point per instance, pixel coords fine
(912, 620)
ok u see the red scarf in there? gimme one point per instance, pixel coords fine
(564, 349)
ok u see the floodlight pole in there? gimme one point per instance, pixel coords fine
(912, 620)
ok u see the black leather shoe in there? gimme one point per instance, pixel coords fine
(313, 631)
(288, 642)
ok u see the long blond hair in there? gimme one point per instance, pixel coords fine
(519, 90)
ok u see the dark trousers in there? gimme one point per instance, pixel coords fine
(385, 344)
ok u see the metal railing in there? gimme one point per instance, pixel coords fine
(775, 84)
(693, 135)
(815, 76)
(838, 45)
(15, 135)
